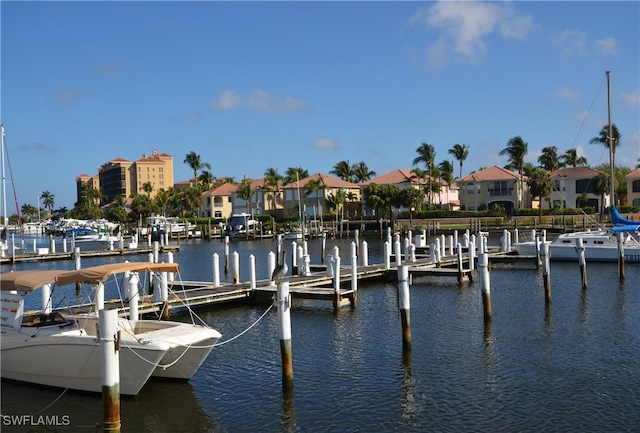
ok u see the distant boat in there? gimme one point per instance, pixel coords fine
(162, 224)
(86, 234)
(241, 224)
(294, 234)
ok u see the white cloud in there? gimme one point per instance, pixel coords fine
(466, 24)
(572, 42)
(608, 46)
(325, 144)
(567, 93)
(258, 100)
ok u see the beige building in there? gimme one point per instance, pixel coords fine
(312, 196)
(633, 187)
(218, 202)
(125, 178)
(447, 198)
(574, 187)
(494, 186)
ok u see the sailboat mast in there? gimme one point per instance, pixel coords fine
(611, 144)
(5, 221)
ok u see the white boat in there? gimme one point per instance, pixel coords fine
(294, 234)
(86, 234)
(188, 344)
(241, 224)
(47, 349)
(162, 225)
(600, 246)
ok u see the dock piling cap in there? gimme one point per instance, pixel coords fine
(96, 274)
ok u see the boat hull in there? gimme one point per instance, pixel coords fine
(72, 359)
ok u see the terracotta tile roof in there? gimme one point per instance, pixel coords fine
(327, 180)
(401, 175)
(575, 172)
(224, 189)
(492, 173)
(633, 174)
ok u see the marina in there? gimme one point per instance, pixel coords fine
(534, 362)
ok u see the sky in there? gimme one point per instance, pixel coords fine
(255, 85)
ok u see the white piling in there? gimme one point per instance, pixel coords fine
(236, 267)
(483, 268)
(364, 253)
(271, 263)
(99, 297)
(354, 267)
(284, 333)
(336, 274)
(398, 253)
(516, 236)
(582, 262)
(544, 250)
(404, 304)
(294, 258)
(216, 270)
(621, 270)
(252, 272)
(132, 291)
(299, 262)
(387, 255)
(110, 369)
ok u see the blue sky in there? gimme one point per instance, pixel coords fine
(254, 85)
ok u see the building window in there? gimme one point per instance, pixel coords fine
(470, 188)
(500, 189)
(217, 214)
(635, 186)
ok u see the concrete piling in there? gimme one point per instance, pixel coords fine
(582, 262)
(404, 304)
(110, 369)
(483, 268)
(284, 326)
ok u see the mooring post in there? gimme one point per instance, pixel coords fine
(546, 277)
(216, 270)
(337, 302)
(294, 258)
(132, 284)
(252, 272)
(284, 327)
(438, 251)
(620, 238)
(508, 241)
(354, 273)
(364, 253)
(387, 256)
(443, 245)
(46, 298)
(472, 254)
(483, 268)
(110, 369)
(236, 267)
(171, 276)
(226, 255)
(451, 246)
(299, 261)
(460, 264)
(404, 304)
(271, 263)
(398, 252)
(156, 249)
(582, 262)
(516, 236)
(164, 286)
(538, 262)
(324, 247)
(432, 253)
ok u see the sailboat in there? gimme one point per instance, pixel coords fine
(600, 245)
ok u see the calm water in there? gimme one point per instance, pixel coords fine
(574, 366)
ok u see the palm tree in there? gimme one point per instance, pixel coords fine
(604, 139)
(162, 199)
(460, 152)
(540, 184)
(48, 200)
(571, 159)
(245, 192)
(206, 179)
(427, 155)
(516, 150)
(193, 160)
(272, 180)
(148, 188)
(361, 172)
(293, 174)
(549, 159)
(343, 170)
(602, 187)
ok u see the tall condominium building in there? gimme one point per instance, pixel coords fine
(119, 176)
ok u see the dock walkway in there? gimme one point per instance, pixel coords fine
(318, 285)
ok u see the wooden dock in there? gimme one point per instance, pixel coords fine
(70, 255)
(318, 285)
